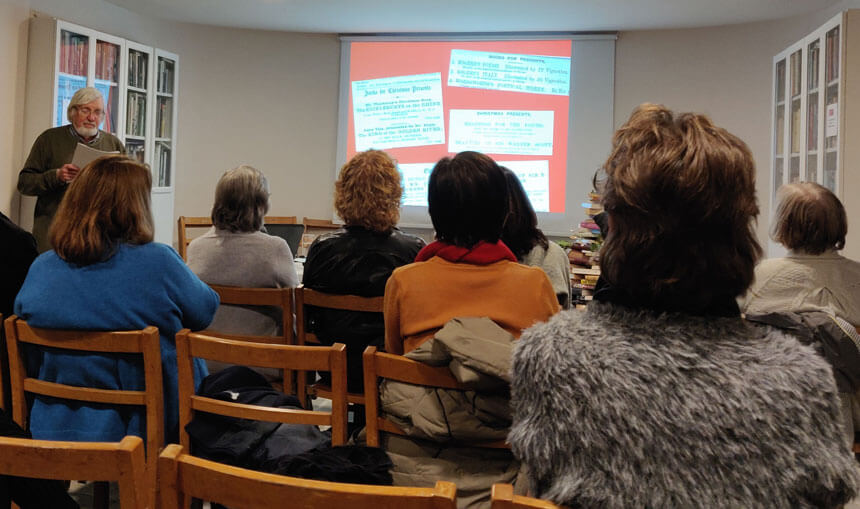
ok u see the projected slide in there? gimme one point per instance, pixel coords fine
(420, 101)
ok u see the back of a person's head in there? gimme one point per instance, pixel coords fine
(521, 232)
(468, 199)
(106, 205)
(809, 219)
(241, 200)
(680, 194)
(368, 191)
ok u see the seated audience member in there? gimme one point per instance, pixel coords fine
(660, 394)
(237, 252)
(811, 223)
(465, 295)
(19, 251)
(25, 492)
(467, 271)
(106, 273)
(531, 247)
(359, 258)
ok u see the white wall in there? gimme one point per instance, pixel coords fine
(269, 99)
(724, 72)
(13, 61)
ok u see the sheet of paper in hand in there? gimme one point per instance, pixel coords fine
(84, 155)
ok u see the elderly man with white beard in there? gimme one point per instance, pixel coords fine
(48, 170)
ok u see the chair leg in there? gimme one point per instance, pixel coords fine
(101, 495)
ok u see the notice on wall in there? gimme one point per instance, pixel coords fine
(831, 120)
(501, 131)
(415, 179)
(532, 74)
(400, 111)
(534, 176)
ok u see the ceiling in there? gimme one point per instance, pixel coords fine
(375, 16)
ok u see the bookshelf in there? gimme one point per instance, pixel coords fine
(816, 112)
(139, 84)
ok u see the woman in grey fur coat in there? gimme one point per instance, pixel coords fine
(659, 394)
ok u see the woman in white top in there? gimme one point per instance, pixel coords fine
(531, 247)
(811, 223)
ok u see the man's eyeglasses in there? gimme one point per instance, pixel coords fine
(87, 112)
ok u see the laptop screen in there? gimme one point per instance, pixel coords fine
(292, 233)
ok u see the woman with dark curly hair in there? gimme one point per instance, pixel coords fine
(358, 258)
(660, 394)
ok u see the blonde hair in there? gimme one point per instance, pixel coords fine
(106, 205)
(368, 191)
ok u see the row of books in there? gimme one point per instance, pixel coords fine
(107, 61)
(136, 150)
(162, 162)
(795, 73)
(165, 76)
(135, 122)
(137, 68)
(164, 117)
(831, 71)
(812, 66)
(812, 123)
(74, 51)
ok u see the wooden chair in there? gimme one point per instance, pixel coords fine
(186, 222)
(322, 224)
(502, 497)
(380, 365)
(145, 342)
(288, 357)
(122, 462)
(308, 297)
(182, 476)
(281, 298)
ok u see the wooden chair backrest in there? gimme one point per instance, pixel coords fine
(502, 497)
(323, 224)
(122, 462)
(287, 357)
(308, 297)
(185, 222)
(145, 342)
(183, 476)
(381, 365)
(281, 298)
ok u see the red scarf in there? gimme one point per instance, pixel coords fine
(482, 253)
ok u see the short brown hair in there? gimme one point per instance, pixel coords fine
(809, 218)
(680, 194)
(241, 200)
(368, 191)
(106, 205)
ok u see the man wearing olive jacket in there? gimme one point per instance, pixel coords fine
(48, 170)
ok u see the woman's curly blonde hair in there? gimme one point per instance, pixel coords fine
(368, 191)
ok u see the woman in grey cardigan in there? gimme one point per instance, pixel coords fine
(237, 252)
(659, 394)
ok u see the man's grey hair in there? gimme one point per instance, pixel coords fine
(82, 96)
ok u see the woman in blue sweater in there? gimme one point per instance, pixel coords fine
(106, 273)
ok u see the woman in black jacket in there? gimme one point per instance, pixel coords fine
(358, 258)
